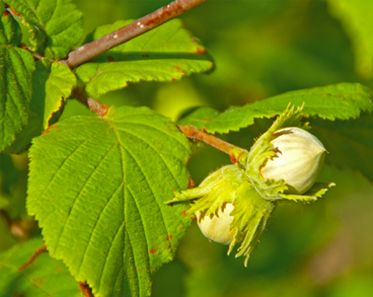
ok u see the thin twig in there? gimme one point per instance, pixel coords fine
(86, 290)
(97, 107)
(37, 253)
(233, 151)
(37, 57)
(93, 49)
(80, 95)
(94, 105)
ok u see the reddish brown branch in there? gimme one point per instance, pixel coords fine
(93, 49)
(97, 107)
(86, 290)
(194, 133)
(37, 253)
(94, 105)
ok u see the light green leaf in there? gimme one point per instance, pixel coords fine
(97, 187)
(58, 87)
(16, 67)
(165, 53)
(58, 21)
(44, 277)
(342, 101)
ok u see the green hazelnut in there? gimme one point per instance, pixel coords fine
(298, 160)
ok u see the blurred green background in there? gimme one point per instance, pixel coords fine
(260, 48)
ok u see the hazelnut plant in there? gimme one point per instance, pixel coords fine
(110, 191)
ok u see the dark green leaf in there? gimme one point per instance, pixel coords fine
(13, 179)
(44, 277)
(7, 238)
(36, 113)
(8, 176)
(349, 143)
(10, 32)
(97, 187)
(357, 18)
(9, 182)
(165, 53)
(16, 67)
(59, 22)
(51, 85)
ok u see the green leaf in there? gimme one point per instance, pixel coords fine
(59, 86)
(10, 32)
(3, 203)
(34, 126)
(349, 143)
(52, 84)
(199, 117)
(7, 238)
(342, 101)
(9, 176)
(44, 277)
(97, 187)
(58, 22)
(12, 198)
(16, 67)
(165, 53)
(357, 18)
(13, 180)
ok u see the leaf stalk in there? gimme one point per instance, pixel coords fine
(235, 153)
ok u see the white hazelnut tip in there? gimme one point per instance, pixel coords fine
(298, 161)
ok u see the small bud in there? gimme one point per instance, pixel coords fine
(217, 226)
(298, 161)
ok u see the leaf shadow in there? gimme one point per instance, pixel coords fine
(113, 56)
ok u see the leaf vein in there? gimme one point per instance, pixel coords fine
(95, 226)
(77, 197)
(147, 181)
